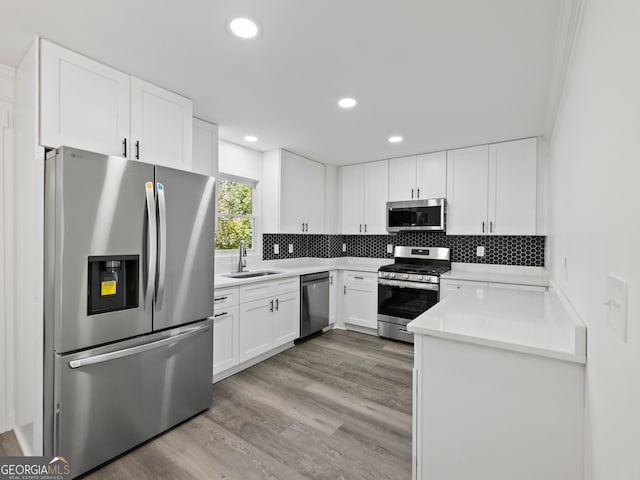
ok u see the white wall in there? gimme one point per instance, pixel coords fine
(595, 223)
(6, 252)
(239, 161)
(29, 256)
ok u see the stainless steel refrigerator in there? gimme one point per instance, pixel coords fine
(128, 292)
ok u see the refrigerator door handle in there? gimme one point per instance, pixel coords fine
(126, 352)
(162, 240)
(152, 232)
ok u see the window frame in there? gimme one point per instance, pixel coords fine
(254, 234)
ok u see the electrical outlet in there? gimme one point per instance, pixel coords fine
(389, 248)
(344, 247)
(276, 249)
(291, 248)
(480, 251)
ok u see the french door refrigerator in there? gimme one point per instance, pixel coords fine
(129, 255)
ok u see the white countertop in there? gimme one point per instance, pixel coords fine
(523, 321)
(498, 274)
(292, 270)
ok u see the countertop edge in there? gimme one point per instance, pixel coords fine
(554, 354)
(283, 272)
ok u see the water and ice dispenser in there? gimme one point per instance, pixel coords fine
(113, 283)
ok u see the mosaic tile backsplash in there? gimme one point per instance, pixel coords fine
(499, 250)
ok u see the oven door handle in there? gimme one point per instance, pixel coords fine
(415, 285)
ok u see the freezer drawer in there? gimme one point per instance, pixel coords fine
(113, 398)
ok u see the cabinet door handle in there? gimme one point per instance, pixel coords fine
(277, 304)
(490, 227)
(345, 290)
(303, 226)
(365, 228)
(412, 194)
(482, 227)
(271, 307)
(306, 227)
(124, 148)
(221, 314)
(331, 280)
(137, 149)
(360, 228)
(418, 196)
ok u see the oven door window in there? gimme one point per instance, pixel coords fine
(407, 303)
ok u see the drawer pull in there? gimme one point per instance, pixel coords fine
(219, 299)
(221, 314)
(359, 278)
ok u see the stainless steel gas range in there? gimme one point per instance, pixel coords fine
(409, 287)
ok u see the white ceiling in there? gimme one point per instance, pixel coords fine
(441, 73)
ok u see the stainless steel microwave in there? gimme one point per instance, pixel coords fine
(416, 215)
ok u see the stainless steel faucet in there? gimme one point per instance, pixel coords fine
(242, 256)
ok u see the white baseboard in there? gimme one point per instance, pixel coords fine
(251, 362)
(359, 329)
(24, 435)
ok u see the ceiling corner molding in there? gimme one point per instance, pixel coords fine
(567, 33)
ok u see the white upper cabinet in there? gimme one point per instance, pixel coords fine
(431, 175)
(512, 187)
(205, 148)
(467, 188)
(293, 193)
(352, 199)
(418, 177)
(83, 104)
(364, 197)
(376, 181)
(402, 178)
(491, 189)
(161, 125)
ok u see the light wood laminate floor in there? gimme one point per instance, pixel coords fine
(335, 407)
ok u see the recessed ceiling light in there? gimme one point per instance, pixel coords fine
(251, 138)
(395, 139)
(347, 102)
(243, 27)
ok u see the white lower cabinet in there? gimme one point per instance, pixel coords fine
(360, 297)
(256, 326)
(225, 340)
(252, 320)
(286, 318)
(333, 297)
(225, 329)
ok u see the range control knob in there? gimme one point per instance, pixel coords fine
(392, 275)
(384, 274)
(419, 277)
(405, 276)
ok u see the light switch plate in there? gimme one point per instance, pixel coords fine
(616, 305)
(480, 251)
(389, 248)
(276, 249)
(291, 248)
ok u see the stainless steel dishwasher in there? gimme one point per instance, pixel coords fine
(314, 303)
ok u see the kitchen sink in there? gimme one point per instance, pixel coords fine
(249, 274)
